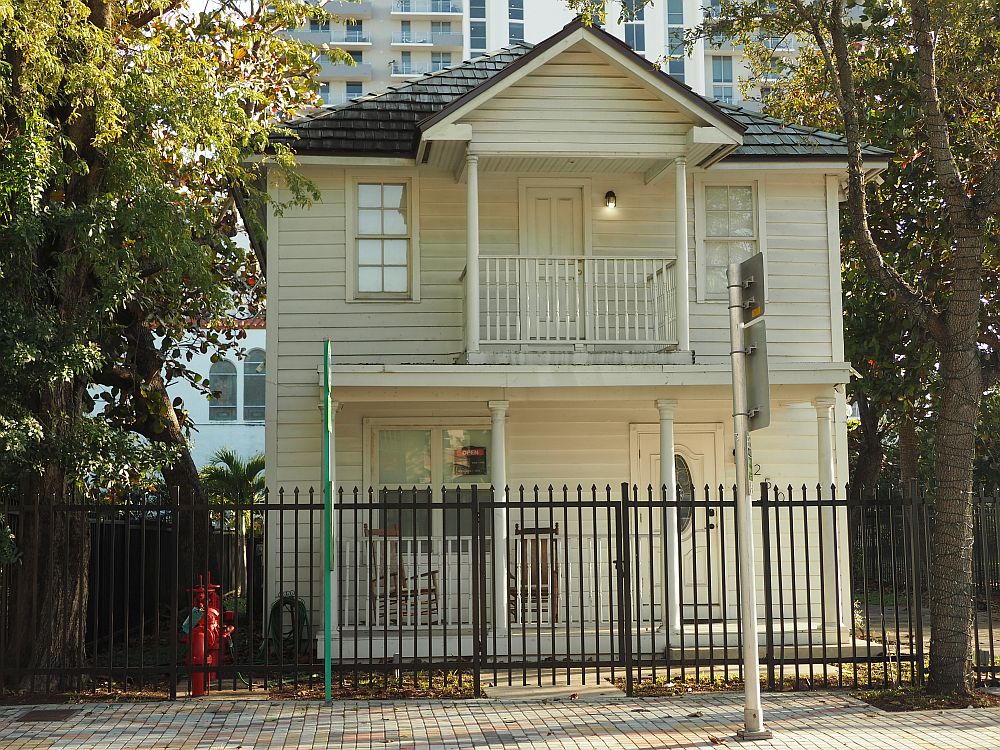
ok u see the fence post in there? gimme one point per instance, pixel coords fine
(477, 595)
(916, 558)
(625, 589)
(765, 531)
(175, 594)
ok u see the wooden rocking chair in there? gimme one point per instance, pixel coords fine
(393, 596)
(534, 581)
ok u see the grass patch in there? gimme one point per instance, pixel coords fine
(918, 699)
(379, 686)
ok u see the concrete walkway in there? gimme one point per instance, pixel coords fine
(807, 721)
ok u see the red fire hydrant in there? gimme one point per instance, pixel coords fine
(206, 633)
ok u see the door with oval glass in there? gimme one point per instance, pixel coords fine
(697, 462)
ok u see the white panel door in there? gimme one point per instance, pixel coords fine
(700, 547)
(552, 267)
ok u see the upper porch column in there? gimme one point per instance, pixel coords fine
(472, 254)
(832, 522)
(681, 244)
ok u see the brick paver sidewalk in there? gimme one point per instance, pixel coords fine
(808, 721)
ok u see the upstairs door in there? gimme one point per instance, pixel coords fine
(695, 463)
(551, 267)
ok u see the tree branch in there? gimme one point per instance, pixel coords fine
(139, 19)
(986, 201)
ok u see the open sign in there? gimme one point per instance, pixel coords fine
(470, 461)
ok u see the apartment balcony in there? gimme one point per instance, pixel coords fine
(410, 40)
(447, 40)
(309, 37)
(351, 39)
(540, 301)
(361, 11)
(338, 71)
(398, 70)
(427, 8)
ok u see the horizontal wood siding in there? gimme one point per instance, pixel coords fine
(798, 303)
(600, 108)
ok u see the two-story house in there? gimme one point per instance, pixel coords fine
(521, 265)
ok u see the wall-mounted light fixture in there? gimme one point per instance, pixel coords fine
(610, 199)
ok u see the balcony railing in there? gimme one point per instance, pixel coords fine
(398, 69)
(351, 38)
(568, 299)
(340, 70)
(408, 37)
(427, 6)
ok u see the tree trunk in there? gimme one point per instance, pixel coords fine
(48, 608)
(909, 450)
(871, 452)
(950, 574)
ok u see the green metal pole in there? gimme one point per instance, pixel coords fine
(327, 526)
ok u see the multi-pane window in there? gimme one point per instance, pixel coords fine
(383, 238)
(316, 25)
(353, 89)
(359, 56)
(405, 31)
(730, 233)
(477, 27)
(440, 61)
(354, 31)
(254, 378)
(635, 27)
(440, 27)
(405, 62)
(515, 14)
(222, 382)
(324, 92)
(722, 78)
(675, 39)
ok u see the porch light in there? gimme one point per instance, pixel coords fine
(610, 199)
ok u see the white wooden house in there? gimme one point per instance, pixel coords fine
(520, 262)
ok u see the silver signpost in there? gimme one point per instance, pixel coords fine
(751, 411)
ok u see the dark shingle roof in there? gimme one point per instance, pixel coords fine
(387, 124)
(767, 137)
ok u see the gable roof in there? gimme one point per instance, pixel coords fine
(390, 123)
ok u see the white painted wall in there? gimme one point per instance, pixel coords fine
(243, 436)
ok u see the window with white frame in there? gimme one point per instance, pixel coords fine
(635, 27)
(477, 27)
(383, 239)
(515, 12)
(354, 89)
(730, 233)
(222, 382)
(440, 61)
(254, 386)
(409, 460)
(675, 38)
(722, 78)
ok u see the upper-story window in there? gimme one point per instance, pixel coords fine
(722, 78)
(515, 12)
(635, 27)
(316, 25)
(254, 380)
(440, 27)
(477, 27)
(675, 38)
(354, 89)
(440, 61)
(730, 233)
(354, 31)
(383, 239)
(222, 381)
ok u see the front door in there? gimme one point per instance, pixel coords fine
(696, 463)
(551, 265)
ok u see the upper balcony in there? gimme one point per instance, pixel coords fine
(408, 70)
(351, 39)
(361, 11)
(427, 8)
(338, 71)
(575, 301)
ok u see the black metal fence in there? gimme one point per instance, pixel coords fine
(458, 591)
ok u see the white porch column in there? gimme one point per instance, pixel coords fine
(833, 614)
(670, 581)
(498, 477)
(681, 244)
(472, 254)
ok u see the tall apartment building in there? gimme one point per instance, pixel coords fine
(394, 41)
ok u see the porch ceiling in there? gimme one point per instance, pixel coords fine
(450, 156)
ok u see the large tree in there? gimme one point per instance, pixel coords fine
(949, 294)
(125, 127)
